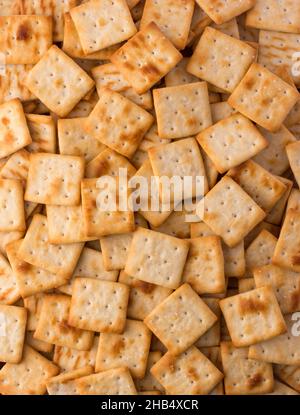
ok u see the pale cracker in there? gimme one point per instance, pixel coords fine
(246, 284)
(11, 83)
(149, 383)
(10, 7)
(231, 141)
(16, 167)
(289, 375)
(12, 216)
(64, 384)
(253, 316)
(108, 162)
(33, 305)
(210, 170)
(115, 250)
(175, 225)
(99, 305)
(221, 110)
(258, 228)
(156, 258)
(12, 333)
(221, 59)
(193, 318)
(222, 11)
(43, 133)
(282, 389)
(179, 75)
(9, 291)
(212, 337)
(293, 151)
(71, 82)
(38, 345)
(146, 58)
(275, 216)
(229, 28)
(260, 251)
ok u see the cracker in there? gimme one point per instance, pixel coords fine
(193, 318)
(24, 39)
(114, 250)
(33, 305)
(139, 65)
(43, 133)
(230, 212)
(9, 291)
(253, 316)
(220, 110)
(221, 59)
(149, 383)
(222, 11)
(99, 305)
(108, 162)
(246, 284)
(293, 151)
(27, 377)
(190, 373)
(71, 82)
(255, 231)
(156, 258)
(182, 110)
(110, 382)
(231, 141)
(260, 251)
(175, 225)
(204, 268)
(102, 23)
(229, 28)
(263, 97)
(64, 384)
(12, 217)
(12, 328)
(282, 349)
(16, 167)
(282, 389)
(294, 200)
(212, 337)
(143, 297)
(289, 375)
(53, 324)
(35, 249)
(38, 345)
(10, 7)
(54, 179)
(276, 214)
(11, 83)
(118, 123)
(179, 75)
(244, 376)
(30, 279)
(264, 188)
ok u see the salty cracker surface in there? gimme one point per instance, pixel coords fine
(180, 319)
(115, 250)
(64, 384)
(43, 133)
(245, 313)
(149, 383)
(260, 251)
(9, 291)
(179, 75)
(12, 83)
(12, 215)
(12, 333)
(293, 152)
(221, 11)
(109, 163)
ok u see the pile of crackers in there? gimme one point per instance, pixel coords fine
(123, 302)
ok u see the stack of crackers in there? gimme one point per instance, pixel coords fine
(145, 302)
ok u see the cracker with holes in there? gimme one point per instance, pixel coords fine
(192, 319)
(12, 85)
(27, 377)
(35, 248)
(12, 216)
(43, 133)
(58, 81)
(263, 97)
(221, 110)
(109, 163)
(54, 179)
(204, 268)
(64, 384)
(53, 324)
(131, 349)
(221, 59)
(16, 167)
(189, 373)
(12, 333)
(38, 345)
(244, 376)
(98, 305)
(156, 258)
(260, 251)
(149, 383)
(165, 14)
(179, 75)
(223, 11)
(230, 212)
(182, 110)
(110, 382)
(102, 23)
(275, 216)
(175, 225)
(9, 291)
(253, 316)
(212, 337)
(118, 123)
(231, 141)
(146, 58)
(14, 133)
(25, 39)
(115, 250)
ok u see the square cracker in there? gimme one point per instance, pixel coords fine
(143, 297)
(130, 349)
(179, 75)
(27, 377)
(165, 14)
(289, 374)
(182, 110)
(192, 319)
(244, 376)
(156, 258)
(53, 324)
(260, 251)
(71, 82)
(108, 162)
(9, 291)
(204, 268)
(190, 373)
(38, 345)
(212, 337)
(104, 221)
(276, 215)
(110, 382)
(12, 83)
(30, 279)
(220, 110)
(230, 212)
(283, 349)
(253, 316)
(16, 167)
(102, 23)
(231, 141)
(12, 333)
(54, 179)
(64, 384)
(36, 249)
(118, 123)
(42, 129)
(25, 39)
(12, 215)
(33, 305)
(14, 133)
(263, 97)
(149, 383)
(74, 140)
(221, 59)
(99, 305)
(114, 249)
(146, 58)
(293, 153)
(221, 11)
(282, 16)
(175, 225)
(263, 187)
